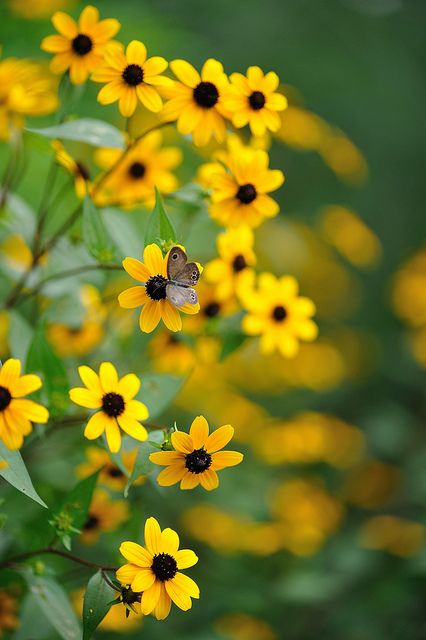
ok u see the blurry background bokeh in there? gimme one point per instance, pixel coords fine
(321, 532)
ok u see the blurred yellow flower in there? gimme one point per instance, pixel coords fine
(131, 77)
(152, 272)
(16, 252)
(239, 189)
(211, 307)
(372, 484)
(229, 271)
(241, 626)
(79, 47)
(110, 474)
(8, 612)
(77, 169)
(392, 534)
(37, 8)
(137, 172)
(409, 290)
(105, 515)
(196, 457)
(16, 412)
(154, 570)
(115, 402)
(169, 354)
(197, 100)
(278, 315)
(252, 99)
(417, 343)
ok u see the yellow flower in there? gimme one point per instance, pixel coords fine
(395, 535)
(196, 457)
(16, 412)
(77, 169)
(171, 355)
(8, 612)
(104, 515)
(197, 101)
(37, 8)
(131, 77)
(211, 306)
(239, 189)
(278, 315)
(154, 570)
(152, 294)
(114, 399)
(111, 475)
(138, 171)
(252, 99)
(409, 290)
(229, 272)
(79, 47)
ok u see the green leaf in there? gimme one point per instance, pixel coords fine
(77, 503)
(52, 600)
(88, 130)
(95, 235)
(42, 359)
(17, 475)
(143, 465)
(129, 241)
(158, 391)
(159, 228)
(28, 612)
(97, 603)
(230, 343)
(20, 336)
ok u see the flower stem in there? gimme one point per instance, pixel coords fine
(57, 552)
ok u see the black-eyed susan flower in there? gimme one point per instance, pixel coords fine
(137, 172)
(252, 99)
(169, 354)
(279, 315)
(152, 273)
(212, 308)
(110, 473)
(240, 188)
(131, 77)
(77, 169)
(118, 618)
(16, 412)
(114, 399)
(234, 264)
(196, 101)
(105, 515)
(154, 570)
(197, 456)
(80, 46)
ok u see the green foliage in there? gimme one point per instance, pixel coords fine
(159, 230)
(88, 130)
(158, 391)
(95, 236)
(143, 465)
(97, 602)
(17, 475)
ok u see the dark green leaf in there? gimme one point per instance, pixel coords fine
(76, 504)
(20, 336)
(230, 343)
(42, 359)
(88, 130)
(159, 228)
(158, 391)
(142, 464)
(97, 603)
(17, 475)
(95, 235)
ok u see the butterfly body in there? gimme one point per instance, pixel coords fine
(182, 277)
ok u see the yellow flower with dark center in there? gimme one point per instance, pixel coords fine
(212, 307)
(77, 169)
(240, 188)
(79, 47)
(104, 515)
(152, 272)
(197, 100)
(110, 475)
(278, 315)
(154, 570)
(115, 402)
(131, 76)
(16, 412)
(197, 456)
(236, 258)
(252, 99)
(171, 355)
(138, 171)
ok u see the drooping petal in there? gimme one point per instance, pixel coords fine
(96, 426)
(150, 316)
(132, 427)
(149, 97)
(219, 438)
(152, 536)
(127, 102)
(190, 481)
(110, 92)
(187, 585)
(113, 436)
(209, 479)
(178, 595)
(136, 554)
(171, 316)
(162, 609)
(199, 432)
(150, 598)
(185, 558)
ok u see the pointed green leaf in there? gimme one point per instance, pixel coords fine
(88, 130)
(95, 235)
(77, 502)
(17, 475)
(158, 391)
(143, 465)
(97, 602)
(159, 228)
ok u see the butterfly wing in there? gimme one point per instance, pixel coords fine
(179, 270)
(179, 296)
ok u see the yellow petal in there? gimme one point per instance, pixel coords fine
(153, 258)
(108, 376)
(152, 536)
(55, 44)
(132, 297)
(12, 439)
(61, 62)
(185, 558)
(182, 442)
(113, 436)
(127, 573)
(91, 380)
(79, 71)
(65, 24)
(149, 97)
(171, 316)
(169, 541)
(128, 386)
(185, 72)
(199, 432)
(136, 409)
(143, 580)
(132, 427)
(187, 585)
(162, 608)
(154, 66)
(219, 438)
(171, 475)
(178, 595)
(110, 92)
(96, 426)
(85, 398)
(209, 479)
(31, 410)
(10, 372)
(150, 598)
(136, 554)
(190, 481)
(88, 17)
(127, 102)
(223, 459)
(136, 269)
(165, 458)
(25, 385)
(136, 52)
(150, 316)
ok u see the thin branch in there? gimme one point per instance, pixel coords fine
(56, 552)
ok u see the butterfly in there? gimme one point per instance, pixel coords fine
(182, 276)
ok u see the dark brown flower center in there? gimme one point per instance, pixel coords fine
(5, 398)
(198, 461)
(156, 287)
(137, 170)
(113, 404)
(82, 44)
(91, 523)
(164, 566)
(133, 75)
(82, 171)
(246, 193)
(206, 95)
(257, 100)
(114, 472)
(128, 596)
(279, 313)
(212, 309)
(239, 263)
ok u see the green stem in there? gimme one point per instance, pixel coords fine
(57, 552)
